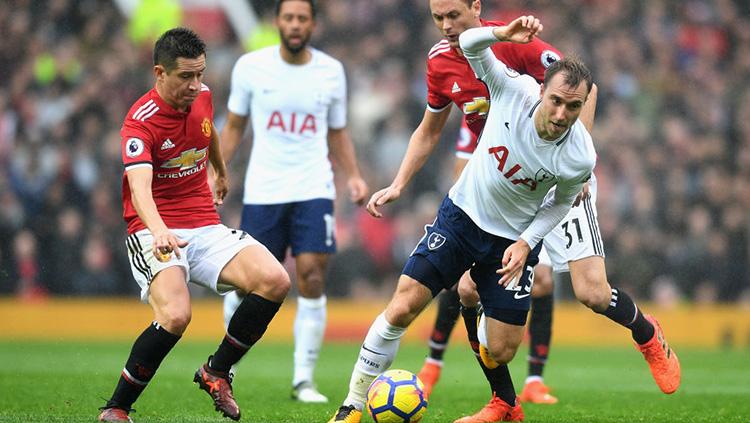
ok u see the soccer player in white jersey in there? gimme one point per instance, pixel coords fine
(295, 97)
(495, 216)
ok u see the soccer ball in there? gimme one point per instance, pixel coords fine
(396, 396)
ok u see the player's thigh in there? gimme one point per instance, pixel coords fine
(145, 267)
(312, 227)
(170, 299)
(269, 224)
(224, 259)
(410, 298)
(467, 291)
(511, 303)
(576, 237)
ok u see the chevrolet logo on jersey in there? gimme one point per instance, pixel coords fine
(187, 160)
(479, 105)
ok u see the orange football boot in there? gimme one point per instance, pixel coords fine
(536, 392)
(663, 362)
(429, 375)
(496, 410)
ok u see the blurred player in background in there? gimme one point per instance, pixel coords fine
(295, 96)
(175, 235)
(496, 214)
(451, 80)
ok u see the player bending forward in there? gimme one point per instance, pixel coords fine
(495, 216)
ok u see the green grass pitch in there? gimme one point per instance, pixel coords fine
(67, 381)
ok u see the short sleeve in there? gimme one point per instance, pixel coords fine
(337, 109)
(241, 92)
(436, 102)
(136, 143)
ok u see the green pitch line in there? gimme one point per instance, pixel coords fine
(66, 382)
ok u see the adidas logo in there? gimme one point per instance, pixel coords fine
(455, 88)
(167, 144)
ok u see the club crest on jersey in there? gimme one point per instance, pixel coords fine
(206, 127)
(542, 175)
(187, 160)
(435, 241)
(478, 105)
(133, 147)
(549, 57)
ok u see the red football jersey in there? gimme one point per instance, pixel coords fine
(175, 145)
(450, 79)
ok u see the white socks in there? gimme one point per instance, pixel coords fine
(375, 357)
(309, 328)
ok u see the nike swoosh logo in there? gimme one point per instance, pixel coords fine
(519, 296)
(507, 125)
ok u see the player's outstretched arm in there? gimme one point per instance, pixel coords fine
(421, 144)
(220, 174)
(342, 151)
(165, 242)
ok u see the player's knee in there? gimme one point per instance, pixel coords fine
(272, 283)
(311, 283)
(467, 293)
(597, 298)
(400, 313)
(175, 319)
(502, 352)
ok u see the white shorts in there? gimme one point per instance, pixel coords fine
(209, 249)
(577, 236)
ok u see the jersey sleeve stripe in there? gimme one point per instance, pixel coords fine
(151, 113)
(439, 45)
(141, 109)
(438, 52)
(135, 165)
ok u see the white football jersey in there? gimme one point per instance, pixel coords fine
(504, 184)
(291, 108)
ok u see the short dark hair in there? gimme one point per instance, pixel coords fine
(313, 7)
(177, 42)
(574, 69)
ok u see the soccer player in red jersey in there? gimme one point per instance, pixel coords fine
(174, 232)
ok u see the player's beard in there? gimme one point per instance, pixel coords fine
(295, 49)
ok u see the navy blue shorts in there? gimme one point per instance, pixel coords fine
(453, 244)
(306, 226)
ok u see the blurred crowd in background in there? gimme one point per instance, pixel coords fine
(672, 132)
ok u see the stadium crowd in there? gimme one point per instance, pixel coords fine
(672, 132)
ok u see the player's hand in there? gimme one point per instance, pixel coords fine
(358, 190)
(384, 196)
(522, 30)
(514, 260)
(166, 243)
(220, 189)
(583, 195)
